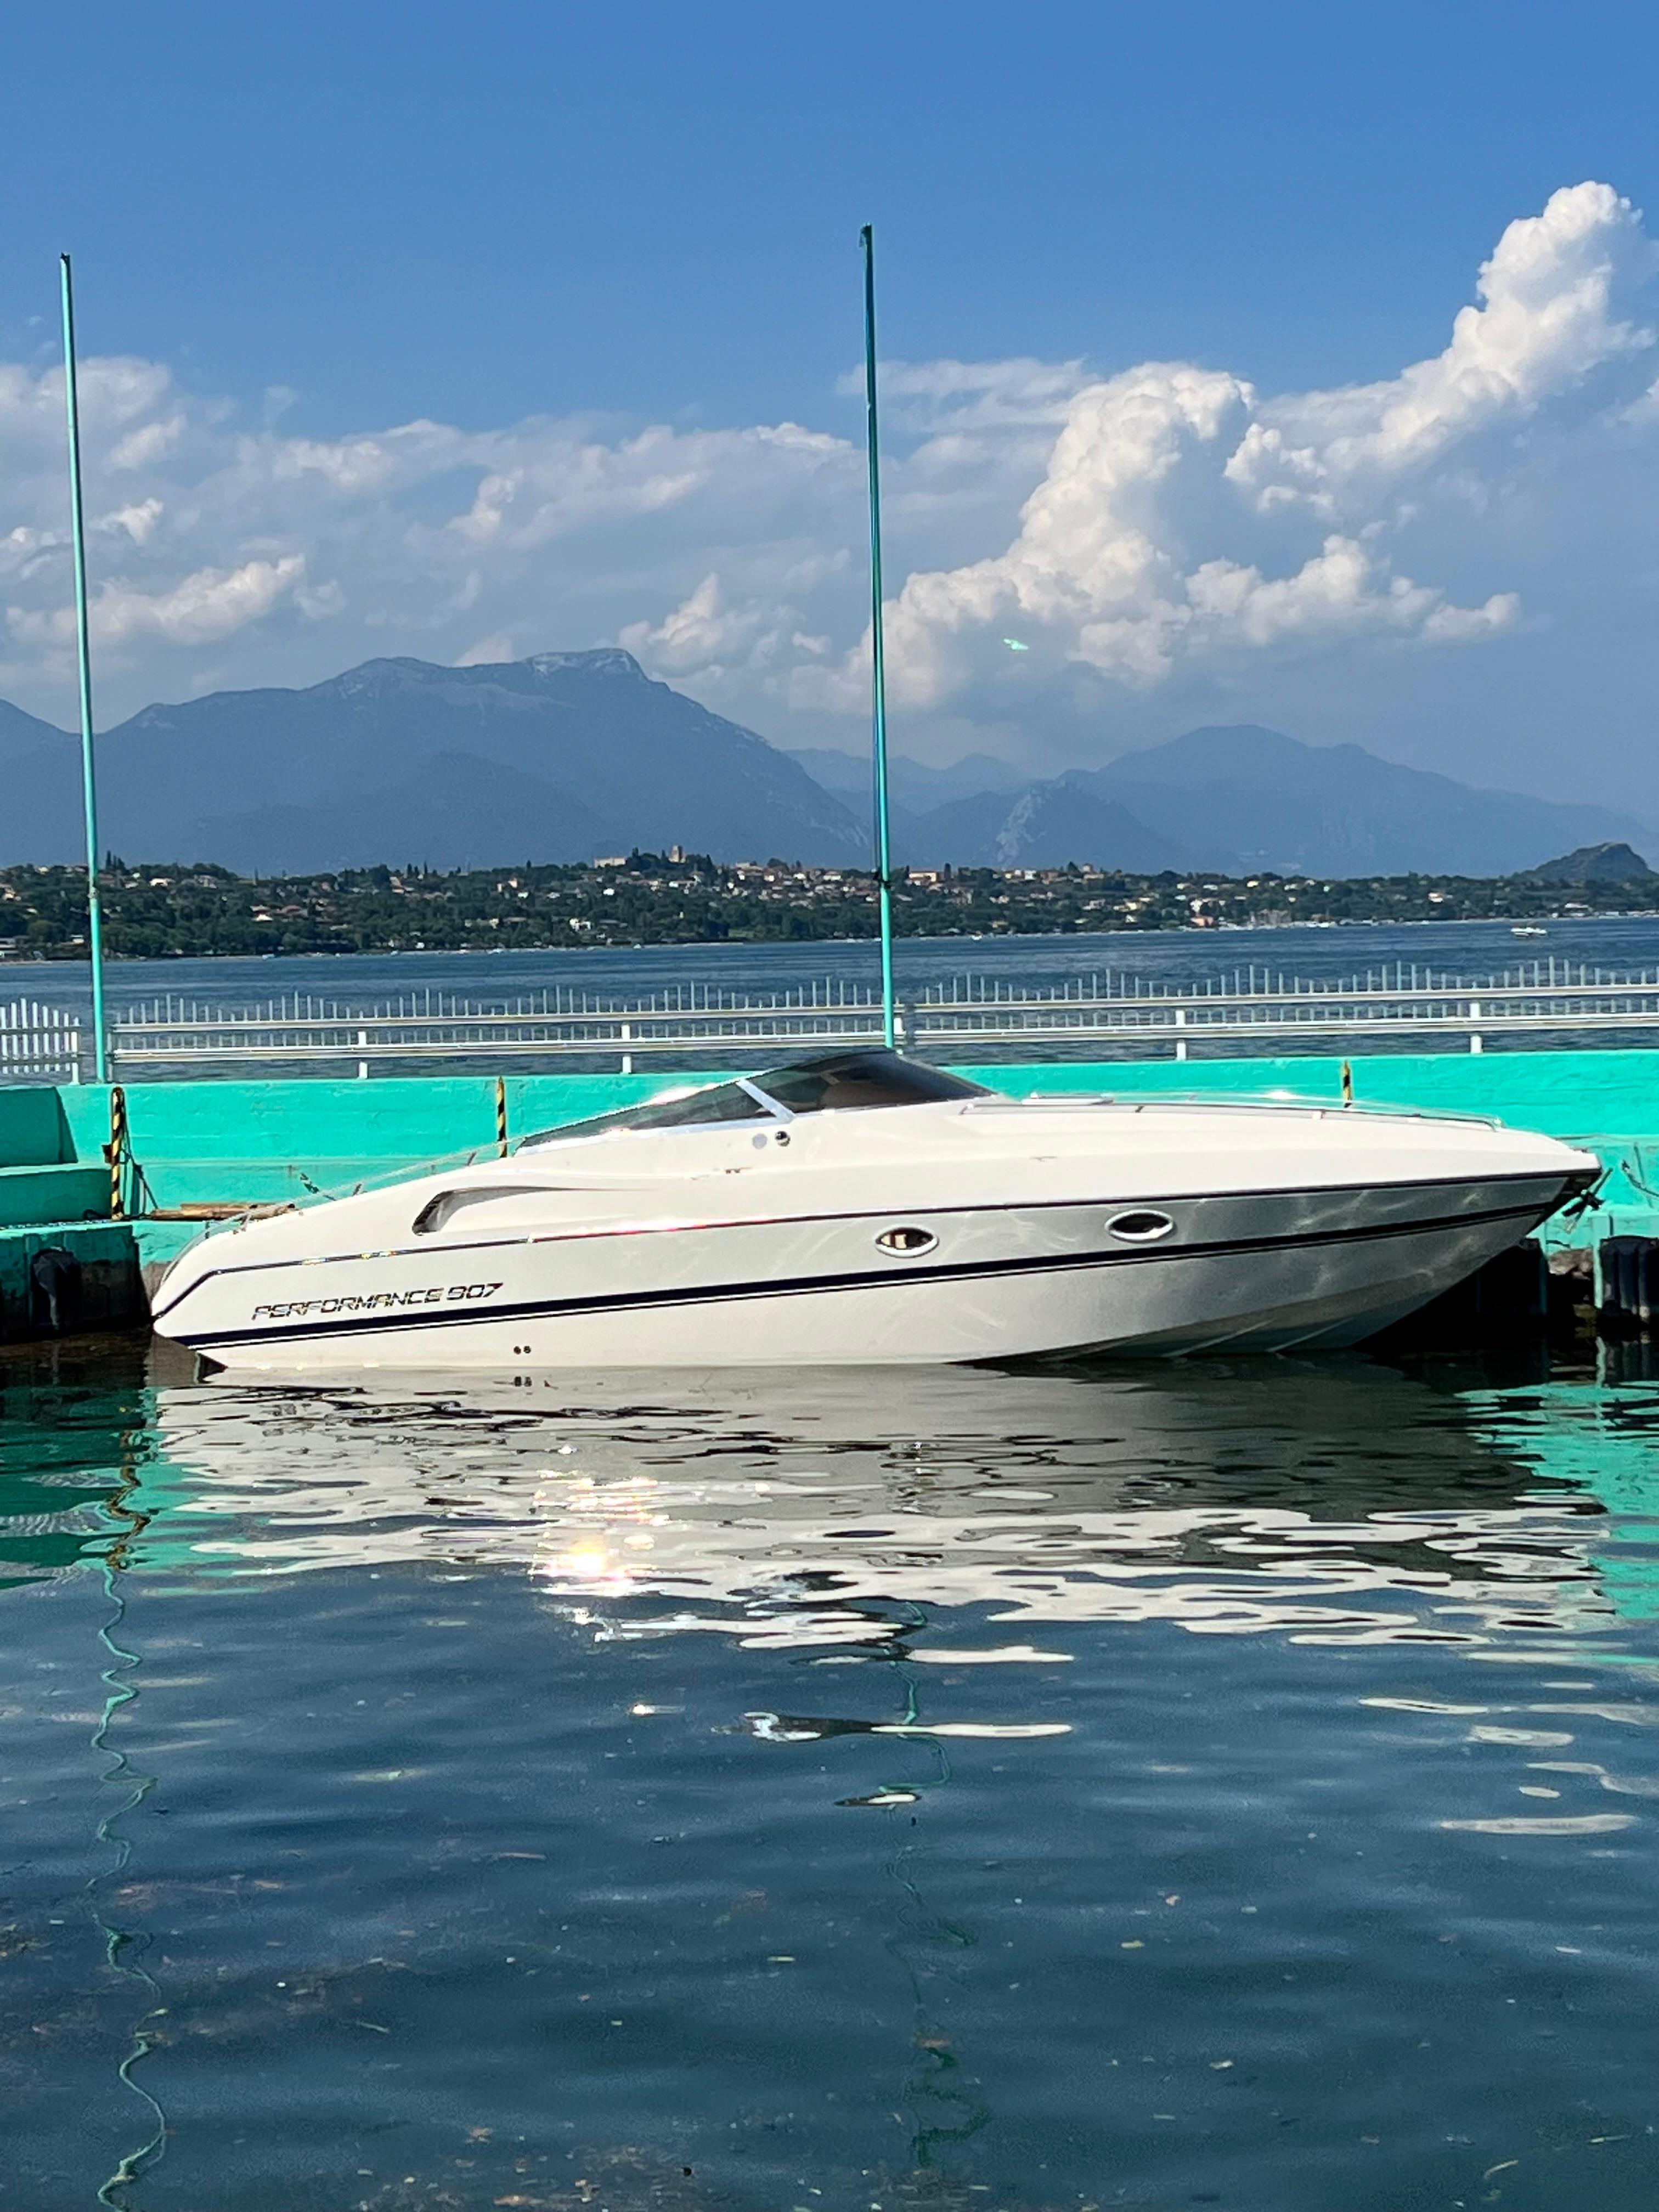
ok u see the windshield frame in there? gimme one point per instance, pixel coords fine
(854, 1064)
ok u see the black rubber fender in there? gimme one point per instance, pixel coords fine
(54, 1290)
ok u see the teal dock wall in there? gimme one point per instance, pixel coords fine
(33, 1126)
(48, 1188)
(240, 1144)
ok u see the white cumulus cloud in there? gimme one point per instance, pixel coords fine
(137, 520)
(1143, 534)
(1555, 300)
(200, 610)
(707, 635)
(1105, 567)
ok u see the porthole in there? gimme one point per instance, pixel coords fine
(1141, 1227)
(906, 1244)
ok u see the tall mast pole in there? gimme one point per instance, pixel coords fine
(879, 674)
(89, 784)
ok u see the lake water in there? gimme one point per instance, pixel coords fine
(358, 981)
(1229, 1784)
(352, 984)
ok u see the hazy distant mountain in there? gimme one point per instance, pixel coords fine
(981, 812)
(1595, 864)
(1043, 826)
(484, 809)
(570, 755)
(563, 757)
(21, 733)
(1244, 798)
(40, 803)
(1241, 799)
(911, 784)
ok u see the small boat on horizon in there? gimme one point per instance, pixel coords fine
(859, 1208)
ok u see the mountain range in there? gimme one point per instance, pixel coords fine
(570, 756)
(912, 785)
(563, 757)
(1237, 799)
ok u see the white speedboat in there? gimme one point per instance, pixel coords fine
(858, 1207)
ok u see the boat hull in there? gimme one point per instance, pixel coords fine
(1255, 1271)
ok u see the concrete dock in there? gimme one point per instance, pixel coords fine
(195, 1153)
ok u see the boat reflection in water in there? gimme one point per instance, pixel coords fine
(912, 1788)
(1339, 1500)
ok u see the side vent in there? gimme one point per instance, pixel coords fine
(906, 1244)
(438, 1213)
(1141, 1227)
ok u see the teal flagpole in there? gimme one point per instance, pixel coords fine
(89, 784)
(879, 674)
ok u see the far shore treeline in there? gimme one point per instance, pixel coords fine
(158, 911)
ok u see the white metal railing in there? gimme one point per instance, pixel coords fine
(38, 1041)
(1108, 1012)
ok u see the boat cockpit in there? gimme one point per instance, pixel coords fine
(826, 1082)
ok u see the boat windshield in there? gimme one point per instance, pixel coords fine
(828, 1082)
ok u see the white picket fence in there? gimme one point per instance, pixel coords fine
(38, 1043)
(1112, 1013)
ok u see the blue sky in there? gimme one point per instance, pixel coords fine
(298, 231)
